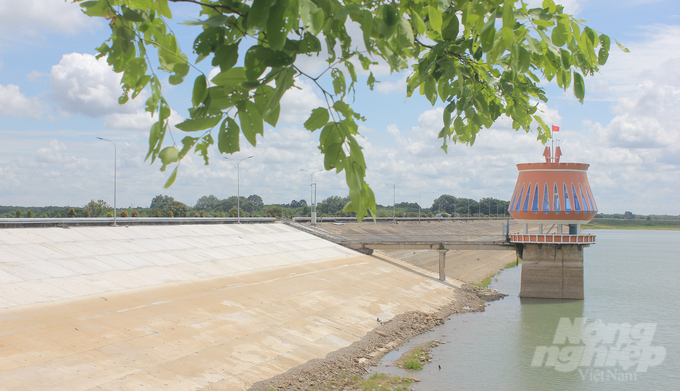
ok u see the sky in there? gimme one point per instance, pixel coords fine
(56, 98)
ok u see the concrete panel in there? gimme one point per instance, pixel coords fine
(552, 271)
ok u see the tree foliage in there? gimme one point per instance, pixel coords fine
(480, 58)
(97, 208)
(161, 202)
(178, 209)
(207, 203)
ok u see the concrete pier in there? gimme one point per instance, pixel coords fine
(552, 271)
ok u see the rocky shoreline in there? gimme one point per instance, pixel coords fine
(344, 368)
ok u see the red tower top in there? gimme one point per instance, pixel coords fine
(552, 192)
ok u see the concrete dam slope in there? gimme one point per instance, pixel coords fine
(190, 307)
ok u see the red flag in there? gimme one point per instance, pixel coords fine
(556, 128)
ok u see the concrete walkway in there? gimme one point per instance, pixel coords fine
(187, 307)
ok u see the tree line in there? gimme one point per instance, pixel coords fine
(254, 206)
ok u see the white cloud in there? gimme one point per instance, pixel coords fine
(387, 87)
(18, 105)
(35, 75)
(30, 17)
(297, 103)
(82, 84)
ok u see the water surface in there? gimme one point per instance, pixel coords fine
(631, 290)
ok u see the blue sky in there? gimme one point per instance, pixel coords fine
(56, 98)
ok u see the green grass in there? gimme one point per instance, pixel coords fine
(414, 358)
(382, 382)
(632, 224)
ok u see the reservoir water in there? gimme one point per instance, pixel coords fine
(629, 335)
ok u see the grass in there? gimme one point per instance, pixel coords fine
(632, 224)
(382, 382)
(416, 357)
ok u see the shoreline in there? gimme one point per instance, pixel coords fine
(345, 368)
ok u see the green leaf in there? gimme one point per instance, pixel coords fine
(566, 59)
(171, 178)
(435, 15)
(390, 15)
(451, 26)
(276, 24)
(226, 56)
(251, 121)
(318, 119)
(579, 87)
(253, 64)
(559, 35)
(228, 138)
(169, 155)
(164, 8)
(231, 77)
(332, 156)
(603, 53)
(488, 34)
(339, 85)
(284, 81)
(405, 33)
(257, 17)
(623, 48)
(196, 124)
(508, 15)
(200, 90)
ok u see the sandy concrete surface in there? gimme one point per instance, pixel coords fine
(251, 302)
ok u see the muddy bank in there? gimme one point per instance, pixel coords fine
(344, 368)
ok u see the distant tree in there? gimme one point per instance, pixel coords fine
(159, 213)
(109, 214)
(58, 215)
(124, 213)
(628, 215)
(177, 208)
(160, 202)
(233, 212)
(332, 205)
(207, 203)
(134, 213)
(72, 213)
(86, 213)
(226, 204)
(302, 203)
(294, 204)
(97, 208)
(18, 213)
(256, 200)
(275, 211)
(170, 214)
(29, 214)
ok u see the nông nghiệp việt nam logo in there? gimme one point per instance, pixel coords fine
(596, 345)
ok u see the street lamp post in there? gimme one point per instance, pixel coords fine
(238, 187)
(312, 194)
(114, 176)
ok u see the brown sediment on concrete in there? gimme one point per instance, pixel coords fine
(344, 368)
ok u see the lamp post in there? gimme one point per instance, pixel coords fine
(238, 186)
(114, 176)
(312, 196)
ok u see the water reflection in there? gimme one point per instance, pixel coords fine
(539, 319)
